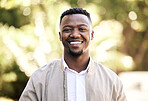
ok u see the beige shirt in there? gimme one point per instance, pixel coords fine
(49, 83)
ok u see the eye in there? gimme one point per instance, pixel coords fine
(82, 29)
(67, 30)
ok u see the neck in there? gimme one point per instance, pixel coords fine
(78, 63)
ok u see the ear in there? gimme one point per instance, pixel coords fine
(60, 36)
(92, 35)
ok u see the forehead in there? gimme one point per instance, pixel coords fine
(75, 19)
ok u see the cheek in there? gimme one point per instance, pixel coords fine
(65, 35)
(64, 38)
(86, 36)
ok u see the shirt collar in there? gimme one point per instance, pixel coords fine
(65, 66)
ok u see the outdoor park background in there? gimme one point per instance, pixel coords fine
(29, 39)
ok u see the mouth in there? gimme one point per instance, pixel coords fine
(76, 42)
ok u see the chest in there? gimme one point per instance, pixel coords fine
(88, 88)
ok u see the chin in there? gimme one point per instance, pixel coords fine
(76, 54)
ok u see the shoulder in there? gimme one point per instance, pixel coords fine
(103, 68)
(109, 79)
(106, 72)
(38, 81)
(50, 66)
(43, 71)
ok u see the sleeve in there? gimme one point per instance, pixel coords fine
(118, 92)
(29, 93)
(121, 94)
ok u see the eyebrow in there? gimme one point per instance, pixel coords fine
(67, 26)
(77, 25)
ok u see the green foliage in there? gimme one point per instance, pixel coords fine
(10, 85)
(13, 17)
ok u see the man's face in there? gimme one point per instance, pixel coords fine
(75, 34)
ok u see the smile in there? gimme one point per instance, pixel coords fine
(73, 43)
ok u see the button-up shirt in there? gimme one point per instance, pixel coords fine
(76, 83)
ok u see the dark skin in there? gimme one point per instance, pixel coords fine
(76, 33)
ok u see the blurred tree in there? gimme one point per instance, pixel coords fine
(135, 23)
(13, 17)
(13, 82)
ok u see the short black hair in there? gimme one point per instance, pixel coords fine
(75, 11)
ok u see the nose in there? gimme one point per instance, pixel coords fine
(75, 34)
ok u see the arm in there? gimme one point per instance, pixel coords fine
(121, 95)
(118, 92)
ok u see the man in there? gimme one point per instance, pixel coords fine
(76, 77)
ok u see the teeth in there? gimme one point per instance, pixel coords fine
(75, 42)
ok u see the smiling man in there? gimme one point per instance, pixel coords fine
(76, 34)
(76, 77)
